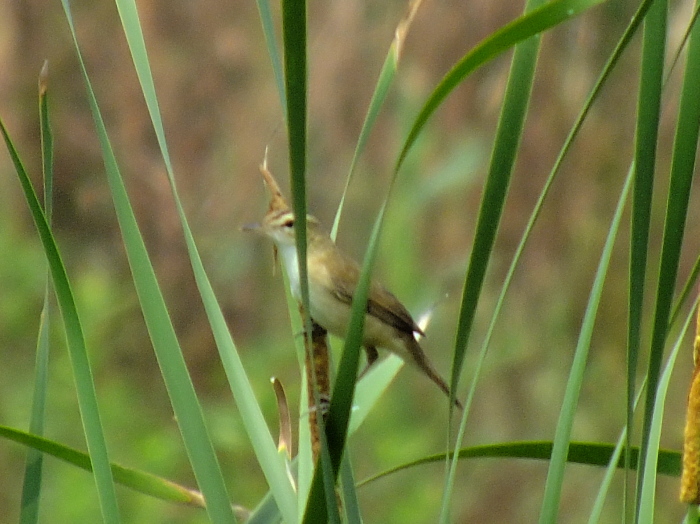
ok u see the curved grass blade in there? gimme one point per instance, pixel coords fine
(294, 29)
(573, 133)
(271, 463)
(693, 515)
(528, 25)
(614, 462)
(343, 391)
(351, 351)
(294, 35)
(31, 487)
(588, 453)
(648, 476)
(505, 149)
(369, 389)
(140, 481)
(682, 167)
(84, 384)
(647, 129)
(688, 288)
(187, 410)
(351, 504)
(555, 474)
(378, 378)
(501, 166)
(271, 43)
(386, 77)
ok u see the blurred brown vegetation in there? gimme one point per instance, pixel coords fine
(221, 109)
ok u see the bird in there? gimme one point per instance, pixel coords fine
(332, 280)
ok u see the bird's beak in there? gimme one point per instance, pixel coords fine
(252, 227)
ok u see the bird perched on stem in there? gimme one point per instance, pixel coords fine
(333, 278)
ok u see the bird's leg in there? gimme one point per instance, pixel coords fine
(372, 357)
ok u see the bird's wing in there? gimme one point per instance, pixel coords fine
(381, 304)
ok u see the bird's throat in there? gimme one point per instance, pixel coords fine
(288, 253)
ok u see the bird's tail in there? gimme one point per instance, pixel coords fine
(420, 360)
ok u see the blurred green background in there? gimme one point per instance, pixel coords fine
(221, 109)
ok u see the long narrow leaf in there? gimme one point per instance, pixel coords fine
(271, 42)
(343, 392)
(521, 29)
(82, 374)
(140, 481)
(294, 35)
(597, 508)
(187, 410)
(682, 167)
(649, 110)
(589, 453)
(263, 444)
(555, 474)
(31, 488)
(510, 126)
(386, 77)
(573, 133)
(648, 487)
(502, 159)
(294, 29)
(688, 288)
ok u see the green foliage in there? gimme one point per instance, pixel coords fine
(297, 491)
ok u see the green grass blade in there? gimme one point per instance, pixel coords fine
(528, 25)
(386, 78)
(615, 461)
(589, 453)
(351, 504)
(371, 387)
(187, 410)
(693, 515)
(379, 378)
(46, 141)
(294, 29)
(31, 487)
(555, 475)
(343, 391)
(648, 114)
(688, 288)
(369, 390)
(503, 157)
(682, 167)
(271, 42)
(263, 444)
(294, 36)
(137, 47)
(648, 476)
(140, 481)
(85, 387)
(573, 133)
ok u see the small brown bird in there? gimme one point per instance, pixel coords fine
(333, 277)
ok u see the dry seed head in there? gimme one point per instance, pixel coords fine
(277, 201)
